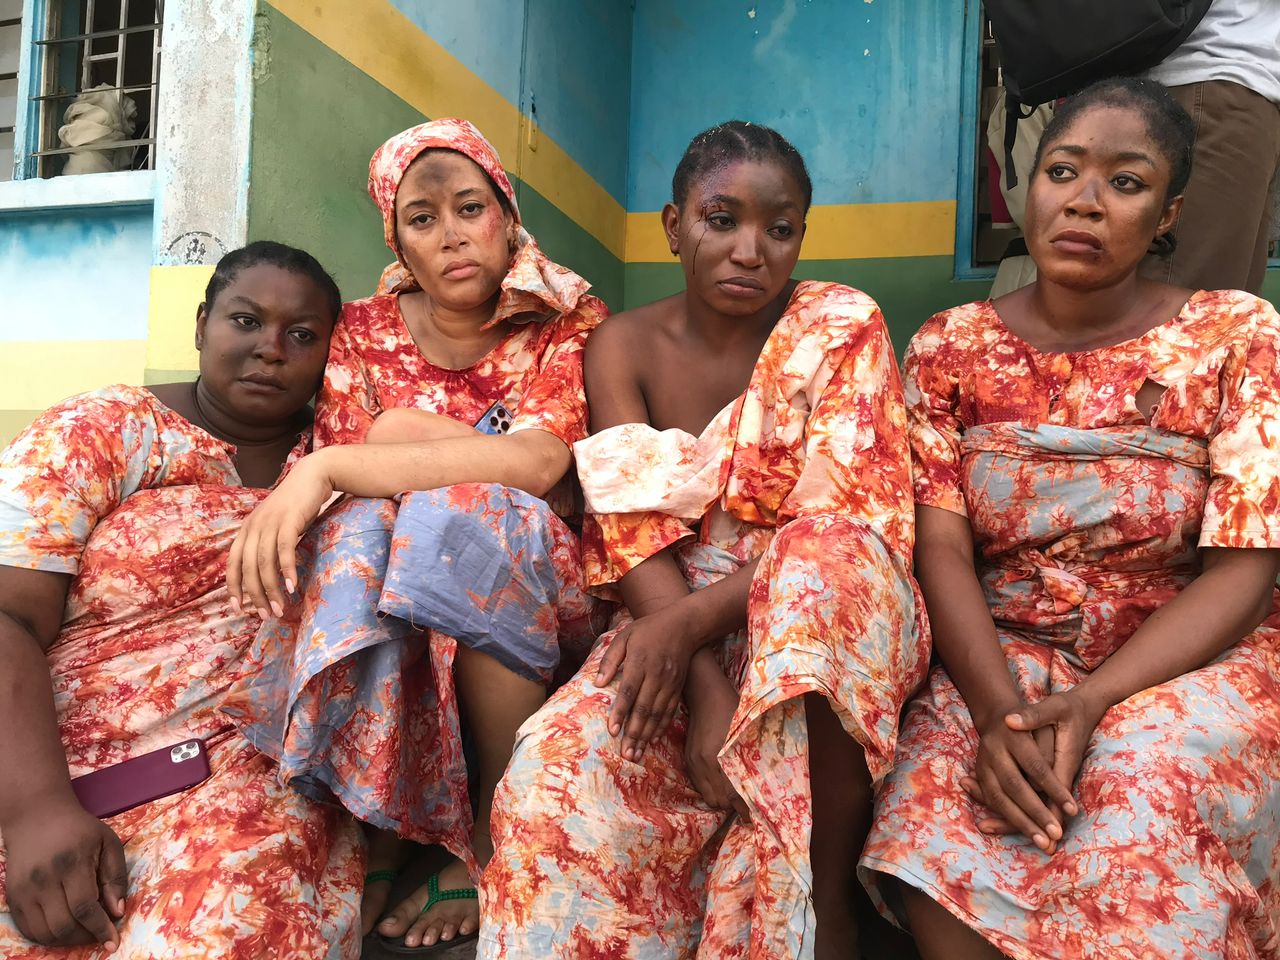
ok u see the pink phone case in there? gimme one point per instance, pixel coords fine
(139, 780)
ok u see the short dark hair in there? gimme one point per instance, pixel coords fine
(276, 255)
(1168, 124)
(738, 140)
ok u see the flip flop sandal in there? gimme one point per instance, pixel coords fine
(396, 945)
(381, 876)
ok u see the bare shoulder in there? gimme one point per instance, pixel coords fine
(626, 340)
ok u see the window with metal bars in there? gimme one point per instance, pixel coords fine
(99, 63)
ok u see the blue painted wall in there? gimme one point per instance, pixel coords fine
(867, 90)
(578, 68)
(75, 274)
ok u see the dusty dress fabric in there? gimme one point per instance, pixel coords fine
(353, 688)
(598, 856)
(1088, 515)
(140, 506)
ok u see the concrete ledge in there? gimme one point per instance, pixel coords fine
(127, 188)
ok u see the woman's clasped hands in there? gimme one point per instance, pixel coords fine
(1028, 759)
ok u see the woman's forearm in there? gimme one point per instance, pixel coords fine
(1219, 608)
(965, 638)
(31, 750)
(652, 585)
(706, 615)
(964, 634)
(720, 609)
(530, 460)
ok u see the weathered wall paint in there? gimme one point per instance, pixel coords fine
(380, 40)
(311, 164)
(203, 178)
(74, 313)
(87, 267)
(576, 70)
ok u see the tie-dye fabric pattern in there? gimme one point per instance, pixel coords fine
(598, 856)
(1086, 519)
(141, 507)
(352, 691)
(355, 692)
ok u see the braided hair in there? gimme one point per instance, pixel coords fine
(732, 141)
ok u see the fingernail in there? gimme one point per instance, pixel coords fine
(1071, 808)
(288, 584)
(276, 608)
(235, 605)
(263, 613)
(1054, 831)
(1041, 841)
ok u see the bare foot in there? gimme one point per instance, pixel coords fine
(386, 852)
(444, 921)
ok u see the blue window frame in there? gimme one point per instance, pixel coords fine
(967, 190)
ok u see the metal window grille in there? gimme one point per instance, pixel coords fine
(10, 44)
(110, 45)
(988, 243)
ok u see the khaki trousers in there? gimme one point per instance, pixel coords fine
(1226, 215)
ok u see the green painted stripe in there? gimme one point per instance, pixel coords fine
(316, 121)
(565, 242)
(1271, 286)
(908, 289)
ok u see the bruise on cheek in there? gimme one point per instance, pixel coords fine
(492, 224)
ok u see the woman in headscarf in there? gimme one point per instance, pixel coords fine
(460, 379)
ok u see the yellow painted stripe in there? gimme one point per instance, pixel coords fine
(176, 294)
(40, 373)
(378, 39)
(857, 231)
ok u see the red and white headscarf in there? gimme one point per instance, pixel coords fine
(535, 287)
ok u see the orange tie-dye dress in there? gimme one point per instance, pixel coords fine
(140, 506)
(1088, 515)
(599, 856)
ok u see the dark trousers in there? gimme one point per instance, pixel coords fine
(1226, 215)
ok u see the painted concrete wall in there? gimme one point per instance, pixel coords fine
(73, 307)
(332, 81)
(202, 169)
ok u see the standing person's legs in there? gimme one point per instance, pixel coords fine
(1222, 232)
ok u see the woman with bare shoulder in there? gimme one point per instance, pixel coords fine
(705, 781)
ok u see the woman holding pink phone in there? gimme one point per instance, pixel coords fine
(120, 643)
